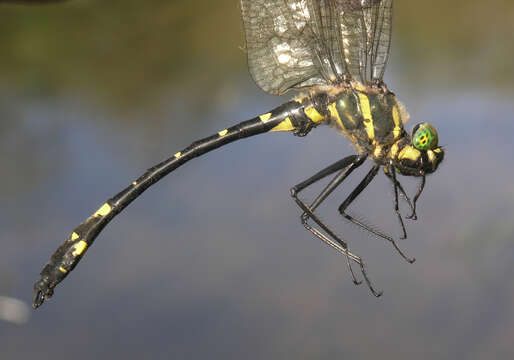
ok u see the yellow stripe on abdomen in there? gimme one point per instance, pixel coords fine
(285, 125)
(104, 210)
(265, 117)
(313, 114)
(79, 248)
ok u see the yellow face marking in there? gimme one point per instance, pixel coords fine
(313, 114)
(437, 150)
(223, 132)
(177, 155)
(397, 122)
(409, 152)
(285, 125)
(265, 117)
(366, 113)
(134, 183)
(63, 270)
(79, 248)
(74, 236)
(431, 156)
(104, 210)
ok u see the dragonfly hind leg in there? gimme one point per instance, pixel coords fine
(345, 167)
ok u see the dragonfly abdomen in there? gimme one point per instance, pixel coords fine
(297, 115)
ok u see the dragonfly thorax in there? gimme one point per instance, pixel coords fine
(372, 118)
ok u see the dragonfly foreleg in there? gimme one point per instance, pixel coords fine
(353, 195)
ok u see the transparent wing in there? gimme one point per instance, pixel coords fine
(366, 27)
(293, 44)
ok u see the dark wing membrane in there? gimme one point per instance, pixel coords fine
(366, 27)
(292, 44)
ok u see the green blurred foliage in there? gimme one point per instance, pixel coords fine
(126, 52)
(463, 40)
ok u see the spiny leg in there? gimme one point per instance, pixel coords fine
(397, 185)
(340, 245)
(347, 165)
(362, 185)
(388, 171)
(416, 197)
(329, 170)
(343, 250)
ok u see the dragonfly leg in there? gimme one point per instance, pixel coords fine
(416, 197)
(396, 186)
(324, 233)
(388, 171)
(353, 195)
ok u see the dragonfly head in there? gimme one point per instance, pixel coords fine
(422, 155)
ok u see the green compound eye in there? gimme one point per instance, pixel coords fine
(424, 137)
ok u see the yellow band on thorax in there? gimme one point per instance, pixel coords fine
(397, 131)
(366, 114)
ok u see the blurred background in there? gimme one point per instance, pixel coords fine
(212, 262)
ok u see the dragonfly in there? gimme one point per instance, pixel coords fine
(335, 53)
